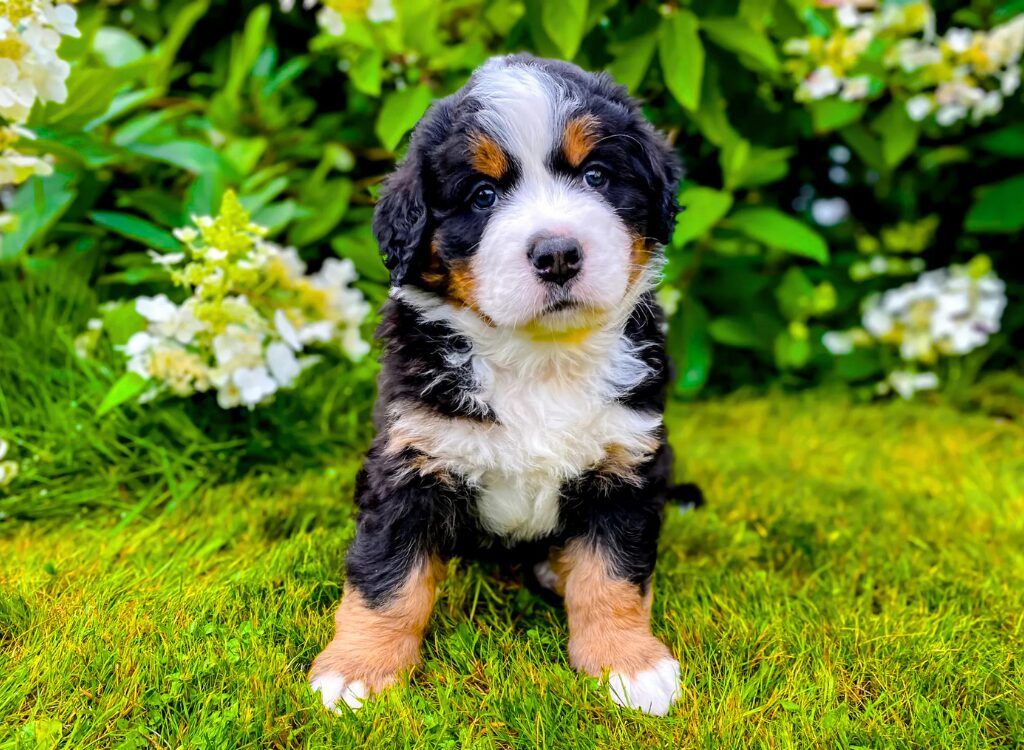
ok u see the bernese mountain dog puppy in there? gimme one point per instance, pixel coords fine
(523, 375)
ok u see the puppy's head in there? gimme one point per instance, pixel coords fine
(537, 196)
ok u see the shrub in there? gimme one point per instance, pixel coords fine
(833, 150)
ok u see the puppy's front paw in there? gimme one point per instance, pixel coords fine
(335, 689)
(652, 691)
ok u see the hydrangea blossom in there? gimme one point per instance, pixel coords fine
(250, 316)
(30, 71)
(948, 312)
(963, 74)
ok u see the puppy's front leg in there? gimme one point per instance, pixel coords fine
(389, 595)
(610, 628)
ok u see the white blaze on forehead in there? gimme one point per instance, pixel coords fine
(524, 108)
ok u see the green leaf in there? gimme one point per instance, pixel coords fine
(898, 132)
(192, 156)
(682, 57)
(998, 208)
(690, 346)
(400, 112)
(1007, 141)
(137, 229)
(866, 146)
(121, 322)
(245, 50)
(366, 71)
(833, 113)
(37, 204)
(702, 208)
(184, 18)
(753, 47)
(791, 353)
(326, 212)
(795, 295)
(781, 232)
(736, 331)
(632, 59)
(565, 22)
(117, 47)
(733, 159)
(127, 387)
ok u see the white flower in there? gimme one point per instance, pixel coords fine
(238, 347)
(820, 83)
(949, 114)
(169, 259)
(330, 21)
(855, 88)
(286, 330)
(848, 17)
(321, 331)
(254, 384)
(990, 104)
(380, 11)
(167, 319)
(877, 322)
(15, 167)
(185, 234)
(4, 445)
(1009, 80)
(919, 107)
(959, 40)
(284, 367)
(838, 342)
(906, 384)
(828, 212)
(8, 471)
(158, 309)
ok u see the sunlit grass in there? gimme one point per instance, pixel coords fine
(857, 578)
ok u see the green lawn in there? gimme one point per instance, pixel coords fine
(857, 578)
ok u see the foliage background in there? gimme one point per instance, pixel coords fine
(172, 103)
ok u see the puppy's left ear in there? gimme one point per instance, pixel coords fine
(666, 171)
(400, 219)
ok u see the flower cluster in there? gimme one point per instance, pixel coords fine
(30, 71)
(960, 74)
(250, 314)
(944, 313)
(332, 13)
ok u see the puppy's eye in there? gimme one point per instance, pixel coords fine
(595, 177)
(484, 197)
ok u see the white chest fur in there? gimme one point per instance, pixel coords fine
(556, 417)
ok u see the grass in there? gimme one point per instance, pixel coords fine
(856, 579)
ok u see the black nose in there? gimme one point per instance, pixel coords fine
(557, 259)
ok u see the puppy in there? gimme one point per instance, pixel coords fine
(523, 376)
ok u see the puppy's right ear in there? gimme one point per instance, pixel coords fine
(400, 219)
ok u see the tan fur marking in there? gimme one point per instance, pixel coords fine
(374, 645)
(579, 138)
(462, 285)
(621, 463)
(609, 620)
(435, 275)
(487, 157)
(639, 256)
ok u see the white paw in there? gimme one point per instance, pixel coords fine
(334, 688)
(653, 691)
(546, 577)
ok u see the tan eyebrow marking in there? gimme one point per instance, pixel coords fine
(486, 156)
(579, 138)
